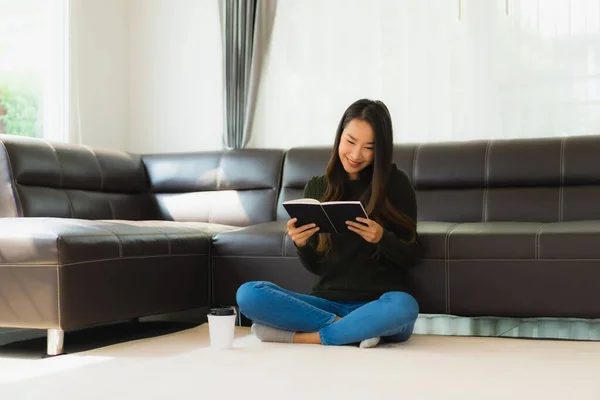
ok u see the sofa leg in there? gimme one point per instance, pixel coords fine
(56, 338)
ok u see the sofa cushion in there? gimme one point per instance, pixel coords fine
(67, 273)
(520, 269)
(46, 179)
(303, 163)
(494, 240)
(434, 238)
(233, 187)
(578, 240)
(266, 252)
(268, 239)
(258, 252)
(299, 166)
(271, 239)
(55, 241)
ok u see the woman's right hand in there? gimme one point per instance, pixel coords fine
(301, 234)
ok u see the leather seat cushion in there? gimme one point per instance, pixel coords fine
(525, 240)
(271, 239)
(68, 273)
(58, 241)
(267, 239)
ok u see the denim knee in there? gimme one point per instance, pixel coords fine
(248, 294)
(402, 306)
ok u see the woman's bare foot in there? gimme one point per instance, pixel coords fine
(307, 338)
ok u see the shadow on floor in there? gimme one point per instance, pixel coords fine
(93, 338)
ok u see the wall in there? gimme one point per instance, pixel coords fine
(175, 76)
(100, 73)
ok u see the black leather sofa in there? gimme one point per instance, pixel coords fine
(90, 236)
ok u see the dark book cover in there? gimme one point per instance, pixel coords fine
(309, 213)
(341, 211)
(330, 217)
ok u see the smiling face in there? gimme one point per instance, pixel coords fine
(357, 147)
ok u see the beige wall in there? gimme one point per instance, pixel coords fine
(146, 75)
(100, 73)
(174, 76)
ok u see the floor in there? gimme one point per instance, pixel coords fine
(171, 360)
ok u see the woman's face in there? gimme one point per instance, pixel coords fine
(357, 147)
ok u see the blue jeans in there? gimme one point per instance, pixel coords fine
(392, 317)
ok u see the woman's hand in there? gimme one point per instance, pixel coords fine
(370, 230)
(301, 234)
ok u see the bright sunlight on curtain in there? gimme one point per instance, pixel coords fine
(491, 69)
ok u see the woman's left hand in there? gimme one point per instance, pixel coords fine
(370, 230)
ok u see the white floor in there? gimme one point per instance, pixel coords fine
(181, 365)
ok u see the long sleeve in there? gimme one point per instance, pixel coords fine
(314, 189)
(400, 244)
(308, 257)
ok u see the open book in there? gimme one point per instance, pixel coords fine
(329, 216)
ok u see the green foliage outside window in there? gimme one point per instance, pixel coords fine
(20, 105)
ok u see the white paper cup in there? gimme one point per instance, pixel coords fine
(221, 326)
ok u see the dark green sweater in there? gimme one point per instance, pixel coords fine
(349, 274)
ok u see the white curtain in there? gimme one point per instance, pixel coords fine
(447, 69)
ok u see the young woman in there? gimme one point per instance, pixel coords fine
(359, 296)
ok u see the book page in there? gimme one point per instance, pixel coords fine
(302, 201)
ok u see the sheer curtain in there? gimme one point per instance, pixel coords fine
(246, 29)
(448, 70)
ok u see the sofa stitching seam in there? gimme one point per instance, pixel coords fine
(70, 204)
(168, 243)
(133, 258)
(8, 265)
(486, 180)
(99, 167)
(561, 195)
(563, 144)
(110, 207)
(447, 266)
(117, 237)
(415, 161)
(60, 179)
(537, 241)
(218, 183)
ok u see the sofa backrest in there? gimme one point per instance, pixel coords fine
(232, 187)
(541, 180)
(547, 180)
(45, 179)
(299, 166)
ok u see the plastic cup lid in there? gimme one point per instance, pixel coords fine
(220, 311)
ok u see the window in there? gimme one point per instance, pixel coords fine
(34, 60)
(497, 69)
